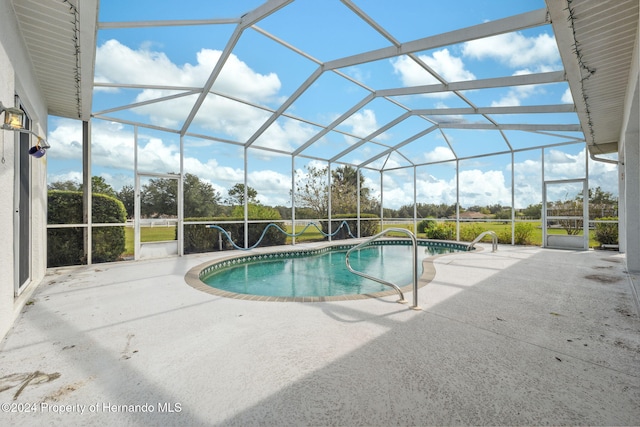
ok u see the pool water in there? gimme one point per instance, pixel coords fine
(324, 274)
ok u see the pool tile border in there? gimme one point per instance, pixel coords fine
(195, 275)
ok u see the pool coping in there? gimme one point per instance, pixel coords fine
(193, 276)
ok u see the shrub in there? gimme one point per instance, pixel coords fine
(468, 232)
(442, 231)
(256, 211)
(607, 233)
(65, 246)
(523, 233)
(426, 224)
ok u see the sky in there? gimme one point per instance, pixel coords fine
(261, 75)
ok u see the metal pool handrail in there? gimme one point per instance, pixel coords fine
(494, 240)
(414, 243)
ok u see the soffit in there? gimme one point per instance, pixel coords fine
(596, 40)
(60, 39)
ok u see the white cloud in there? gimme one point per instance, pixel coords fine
(358, 73)
(431, 189)
(511, 99)
(117, 63)
(516, 95)
(450, 67)
(285, 134)
(483, 188)
(363, 123)
(272, 187)
(516, 51)
(567, 98)
(75, 176)
(476, 188)
(65, 140)
(438, 153)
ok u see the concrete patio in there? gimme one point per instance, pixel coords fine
(522, 336)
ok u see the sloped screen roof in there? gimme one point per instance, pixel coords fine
(373, 84)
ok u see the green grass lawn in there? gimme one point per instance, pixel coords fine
(148, 234)
(498, 228)
(311, 235)
(158, 234)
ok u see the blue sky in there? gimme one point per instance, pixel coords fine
(261, 74)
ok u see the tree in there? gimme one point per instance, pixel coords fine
(312, 190)
(236, 195)
(127, 197)
(99, 185)
(160, 195)
(533, 211)
(568, 208)
(200, 198)
(598, 196)
(68, 185)
(344, 191)
(602, 203)
(505, 213)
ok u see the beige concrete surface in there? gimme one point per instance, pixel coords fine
(522, 336)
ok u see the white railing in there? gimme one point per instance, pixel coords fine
(414, 242)
(494, 240)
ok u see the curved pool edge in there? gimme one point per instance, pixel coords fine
(193, 276)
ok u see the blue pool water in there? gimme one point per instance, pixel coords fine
(321, 275)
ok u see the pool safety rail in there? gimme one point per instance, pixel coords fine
(414, 243)
(228, 237)
(494, 240)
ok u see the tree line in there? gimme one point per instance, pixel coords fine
(159, 198)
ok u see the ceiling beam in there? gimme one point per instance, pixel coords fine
(506, 25)
(516, 109)
(510, 126)
(496, 82)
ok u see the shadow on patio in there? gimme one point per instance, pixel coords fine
(520, 336)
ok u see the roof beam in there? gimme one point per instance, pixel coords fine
(304, 86)
(147, 102)
(521, 126)
(519, 80)
(335, 123)
(519, 109)
(369, 137)
(506, 25)
(398, 146)
(165, 23)
(246, 21)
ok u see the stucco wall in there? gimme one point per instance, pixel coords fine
(6, 202)
(17, 78)
(629, 177)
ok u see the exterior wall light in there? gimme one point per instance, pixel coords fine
(14, 120)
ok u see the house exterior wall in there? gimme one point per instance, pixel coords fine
(629, 154)
(17, 78)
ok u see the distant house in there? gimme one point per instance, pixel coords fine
(471, 215)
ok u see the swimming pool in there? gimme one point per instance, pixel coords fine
(316, 274)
